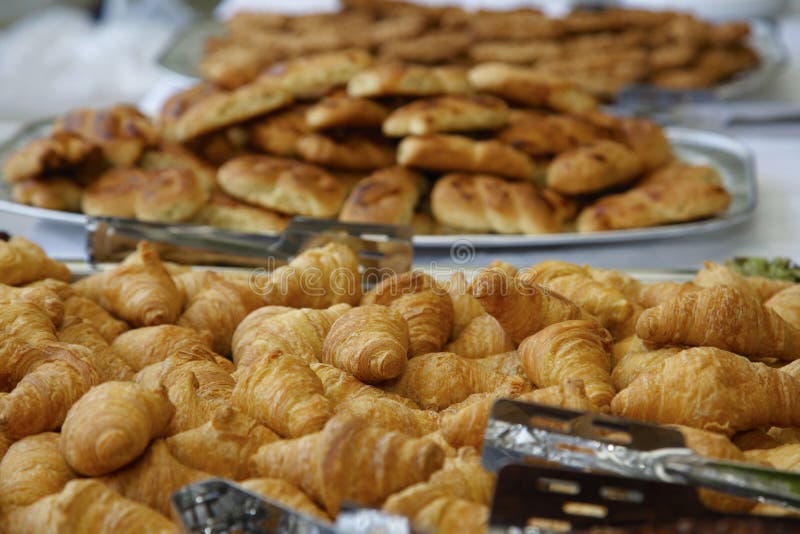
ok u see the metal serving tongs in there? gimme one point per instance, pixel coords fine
(381, 247)
(519, 431)
(218, 506)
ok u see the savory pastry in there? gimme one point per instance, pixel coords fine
(115, 193)
(316, 74)
(111, 425)
(405, 79)
(324, 466)
(721, 317)
(540, 134)
(22, 262)
(646, 139)
(431, 48)
(87, 505)
(174, 156)
(121, 132)
(169, 196)
(32, 468)
(224, 211)
(51, 193)
(235, 437)
(703, 387)
(343, 111)
(277, 133)
(521, 307)
(139, 290)
(371, 342)
(284, 185)
(571, 350)
(515, 25)
(454, 113)
(280, 391)
(485, 203)
(532, 88)
(59, 152)
(352, 152)
(676, 193)
(458, 153)
(593, 168)
(387, 196)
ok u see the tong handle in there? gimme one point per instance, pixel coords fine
(744, 480)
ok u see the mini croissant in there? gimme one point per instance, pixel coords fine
(111, 425)
(278, 489)
(703, 387)
(28, 322)
(140, 290)
(151, 344)
(109, 364)
(324, 465)
(521, 307)
(630, 366)
(223, 445)
(721, 317)
(482, 336)
(439, 379)
(571, 350)
(22, 261)
(44, 298)
(32, 468)
(19, 358)
(95, 314)
(465, 306)
(391, 415)
(714, 274)
(340, 386)
(786, 303)
(87, 506)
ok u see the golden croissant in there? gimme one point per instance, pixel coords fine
(483, 336)
(111, 425)
(87, 506)
(324, 465)
(340, 386)
(19, 358)
(703, 387)
(652, 295)
(505, 363)
(606, 303)
(282, 392)
(439, 379)
(28, 322)
(109, 364)
(300, 333)
(151, 344)
(786, 303)
(280, 490)
(522, 308)
(47, 300)
(370, 342)
(714, 274)
(22, 261)
(223, 445)
(465, 306)
(153, 478)
(721, 317)
(431, 509)
(633, 364)
(95, 314)
(391, 415)
(140, 290)
(571, 350)
(32, 468)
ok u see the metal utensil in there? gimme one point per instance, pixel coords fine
(385, 248)
(519, 431)
(218, 506)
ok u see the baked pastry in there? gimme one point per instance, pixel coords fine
(52, 193)
(405, 79)
(278, 132)
(539, 134)
(174, 156)
(458, 153)
(284, 185)
(359, 152)
(280, 490)
(114, 194)
(22, 261)
(121, 132)
(224, 211)
(452, 113)
(108, 364)
(593, 168)
(646, 139)
(431, 48)
(532, 88)
(484, 203)
(169, 196)
(343, 111)
(676, 193)
(316, 74)
(482, 336)
(386, 196)
(58, 152)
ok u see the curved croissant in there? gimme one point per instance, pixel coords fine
(32, 468)
(47, 300)
(630, 366)
(391, 415)
(151, 344)
(281, 391)
(109, 364)
(521, 307)
(22, 261)
(714, 274)
(721, 317)
(481, 337)
(571, 350)
(703, 387)
(90, 311)
(370, 342)
(651, 295)
(283, 492)
(465, 306)
(19, 358)
(28, 322)
(324, 466)
(786, 303)
(340, 386)
(111, 425)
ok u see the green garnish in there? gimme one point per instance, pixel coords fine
(776, 269)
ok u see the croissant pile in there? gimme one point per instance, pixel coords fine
(493, 148)
(121, 387)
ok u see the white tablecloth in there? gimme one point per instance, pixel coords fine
(774, 231)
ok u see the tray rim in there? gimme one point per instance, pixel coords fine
(726, 220)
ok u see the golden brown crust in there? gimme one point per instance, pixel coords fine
(404, 79)
(170, 195)
(283, 185)
(145, 346)
(22, 262)
(351, 152)
(539, 134)
(485, 203)
(592, 168)
(60, 151)
(174, 156)
(453, 113)
(786, 303)
(458, 153)
(114, 194)
(340, 110)
(278, 133)
(280, 490)
(316, 74)
(482, 336)
(387, 196)
(224, 211)
(52, 193)
(433, 47)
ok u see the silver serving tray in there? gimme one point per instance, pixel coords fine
(731, 158)
(185, 50)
